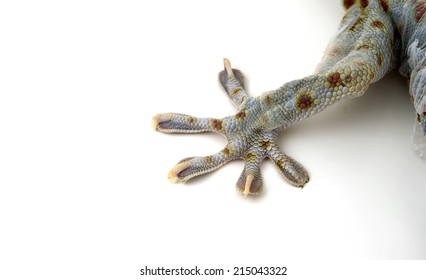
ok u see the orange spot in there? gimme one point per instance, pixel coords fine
(364, 3)
(241, 115)
(209, 159)
(268, 99)
(379, 59)
(378, 24)
(304, 101)
(250, 156)
(235, 91)
(385, 5)
(216, 124)
(226, 151)
(334, 79)
(348, 3)
(419, 11)
(191, 120)
(264, 144)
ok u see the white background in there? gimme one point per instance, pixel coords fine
(83, 187)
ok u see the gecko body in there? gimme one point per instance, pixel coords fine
(374, 37)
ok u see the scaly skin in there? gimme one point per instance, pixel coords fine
(374, 37)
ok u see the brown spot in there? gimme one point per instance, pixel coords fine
(348, 3)
(191, 120)
(280, 162)
(364, 3)
(378, 24)
(241, 115)
(357, 22)
(418, 117)
(304, 101)
(216, 124)
(236, 91)
(226, 151)
(209, 159)
(334, 79)
(362, 47)
(379, 59)
(424, 114)
(385, 5)
(268, 98)
(419, 11)
(250, 156)
(264, 144)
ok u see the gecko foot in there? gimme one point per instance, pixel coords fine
(247, 140)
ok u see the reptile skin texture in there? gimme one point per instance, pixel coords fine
(374, 37)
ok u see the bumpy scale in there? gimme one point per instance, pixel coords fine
(373, 38)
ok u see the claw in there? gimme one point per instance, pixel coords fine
(173, 175)
(248, 185)
(250, 181)
(228, 68)
(195, 166)
(155, 121)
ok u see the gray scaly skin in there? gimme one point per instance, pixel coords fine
(373, 38)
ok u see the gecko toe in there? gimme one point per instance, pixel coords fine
(180, 123)
(250, 182)
(292, 171)
(194, 166)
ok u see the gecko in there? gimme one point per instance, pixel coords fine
(374, 37)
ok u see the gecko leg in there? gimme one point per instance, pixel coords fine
(249, 144)
(361, 53)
